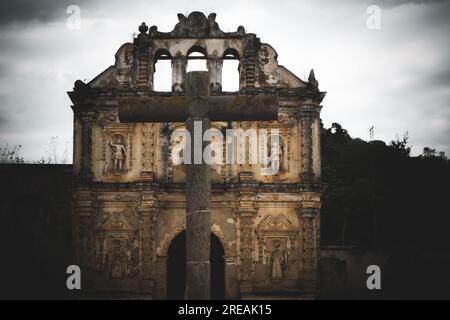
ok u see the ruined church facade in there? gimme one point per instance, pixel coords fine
(129, 201)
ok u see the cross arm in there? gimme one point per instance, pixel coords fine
(216, 108)
(154, 109)
(243, 108)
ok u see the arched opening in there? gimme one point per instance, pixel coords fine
(176, 268)
(196, 59)
(162, 77)
(230, 70)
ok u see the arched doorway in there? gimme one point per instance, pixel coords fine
(176, 268)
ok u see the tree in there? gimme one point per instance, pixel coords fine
(401, 146)
(55, 154)
(379, 195)
(10, 154)
(428, 152)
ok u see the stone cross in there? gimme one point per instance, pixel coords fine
(194, 107)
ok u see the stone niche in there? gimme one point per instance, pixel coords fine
(276, 254)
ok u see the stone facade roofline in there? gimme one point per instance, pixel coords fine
(195, 25)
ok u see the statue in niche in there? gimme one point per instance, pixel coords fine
(282, 154)
(118, 153)
(117, 268)
(278, 261)
(133, 258)
(277, 161)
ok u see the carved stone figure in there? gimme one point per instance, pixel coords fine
(278, 261)
(277, 157)
(118, 154)
(117, 269)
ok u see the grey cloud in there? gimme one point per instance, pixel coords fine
(30, 60)
(3, 108)
(34, 10)
(3, 70)
(391, 3)
(396, 3)
(440, 78)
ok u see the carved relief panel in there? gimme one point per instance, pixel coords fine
(276, 263)
(117, 253)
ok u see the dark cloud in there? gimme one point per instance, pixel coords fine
(401, 71)
(440, 78)
(439, 14)
(396, 3)
(34, 10)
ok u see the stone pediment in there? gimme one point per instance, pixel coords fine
(275, 225)
(115, 221)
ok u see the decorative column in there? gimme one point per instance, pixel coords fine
(310, 248)
(305, 117)
(318, 146)
(247, 213)
(214, 65)
(231, 279)
(86, 144)
(179, 63)
(82, 233)
(148, 151)
(148, 216)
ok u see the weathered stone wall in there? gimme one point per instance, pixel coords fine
(129, 201)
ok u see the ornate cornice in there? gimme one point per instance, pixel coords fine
(195, 25)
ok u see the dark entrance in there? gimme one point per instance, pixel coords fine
(176, 268)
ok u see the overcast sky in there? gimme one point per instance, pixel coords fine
(396, 79)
